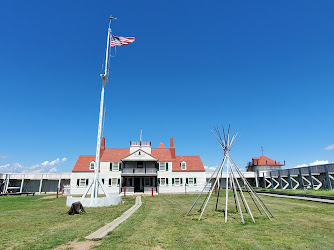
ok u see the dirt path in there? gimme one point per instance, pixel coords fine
(79, 245)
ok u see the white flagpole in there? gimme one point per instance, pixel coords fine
(96, 181)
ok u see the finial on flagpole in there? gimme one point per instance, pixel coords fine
(111, 18)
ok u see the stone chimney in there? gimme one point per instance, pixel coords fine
(172, 148)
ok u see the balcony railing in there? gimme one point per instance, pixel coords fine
(140, 143)
(139, 171)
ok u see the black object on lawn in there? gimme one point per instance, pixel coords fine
(76, 208)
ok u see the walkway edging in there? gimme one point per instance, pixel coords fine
(299, 198)
(103, 231)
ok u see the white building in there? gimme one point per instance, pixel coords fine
(141, 168)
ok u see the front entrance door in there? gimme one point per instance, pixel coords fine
(137, 185)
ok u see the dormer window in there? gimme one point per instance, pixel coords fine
(91, 165)
(183, 165)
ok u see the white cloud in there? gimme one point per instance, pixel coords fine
(44, 167)
(4, 156)
(210, 169)
(315, 163)
(329, 147)
(52, 170)
(301, 165)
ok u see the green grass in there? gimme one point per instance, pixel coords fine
(160, 223)
(302, 191)
(32, 223)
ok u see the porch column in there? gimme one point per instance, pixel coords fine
(329, 184)
(257, 178)
(289, 179)
(264, 180)
(301, 179)
(40, 185)
(59, 184)
(279, 179)
(8, 178)
(22, 182)
(271, 180)
(310, 174)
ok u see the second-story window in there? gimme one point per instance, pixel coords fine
(115, 166)
(163, 166)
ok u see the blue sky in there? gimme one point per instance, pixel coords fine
(265, 67)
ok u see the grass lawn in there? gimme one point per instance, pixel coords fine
(29, 222)
(160, 223)
(326, 192)
(34, 223)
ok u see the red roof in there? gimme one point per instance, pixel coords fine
(161, 154)
(115, 154)
(82, 164)
(265, 161)
(194, 163)
(161, 145)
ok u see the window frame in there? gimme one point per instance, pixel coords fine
(114, 184)
(147, 180)
(82, 181)
(164, 180)
(162, 166)
(115, 166)
(90, 165)
(183, 165)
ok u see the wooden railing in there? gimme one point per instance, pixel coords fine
(139, 170)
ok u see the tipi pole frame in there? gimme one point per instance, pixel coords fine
(221, 174)
(226, 198)
(252, 191)
(218, 186)
(237, 200)
(232, 182)
(209, 181)
(210, 193)
(244, 199)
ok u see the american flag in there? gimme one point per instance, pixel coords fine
(119, 40)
